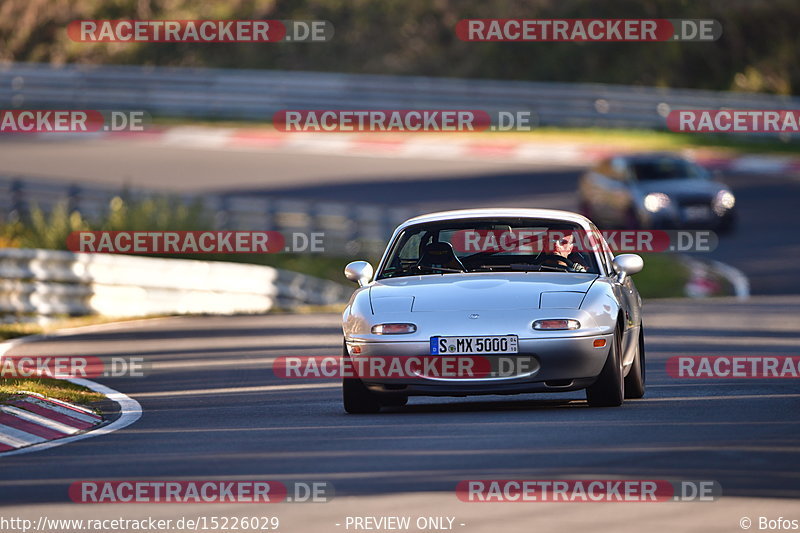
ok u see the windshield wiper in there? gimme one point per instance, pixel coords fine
(438, 269)
(558, 268)
(484, 268)
(520, 267)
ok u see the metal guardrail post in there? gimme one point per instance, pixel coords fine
(74, 198)
(19, 208)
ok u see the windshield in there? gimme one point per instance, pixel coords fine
(667, 168)
(490, 245)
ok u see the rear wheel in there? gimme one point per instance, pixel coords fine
(609, 389)
(356, 397)
(635, 380)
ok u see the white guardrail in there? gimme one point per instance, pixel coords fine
(348, 228)
(258, 94)
(46, 283)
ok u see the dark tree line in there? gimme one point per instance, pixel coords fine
(757, 52)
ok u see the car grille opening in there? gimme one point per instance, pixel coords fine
(695, 201)
(557, 383)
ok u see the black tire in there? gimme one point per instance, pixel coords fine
(609, 389)
(635, 380)
(394, 401)
(356, 397)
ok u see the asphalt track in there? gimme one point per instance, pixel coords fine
(214, 409)
(186, 169)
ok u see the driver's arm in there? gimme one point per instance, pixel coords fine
(577, 265)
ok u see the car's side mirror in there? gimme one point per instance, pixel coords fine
(627, 265)
(359, 272)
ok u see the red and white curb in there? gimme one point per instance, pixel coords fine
(702, 284)
(380, 145)
(432, 146)
(422, 146)
(33, 419)
(33, 423)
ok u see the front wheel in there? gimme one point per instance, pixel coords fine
(356, 397)
(635, 380)
(609, 389)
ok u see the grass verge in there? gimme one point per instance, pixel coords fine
(52, 388)
(663, 276)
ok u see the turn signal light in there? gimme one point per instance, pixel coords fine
(393, 329)
(556, 324)
(599, 343)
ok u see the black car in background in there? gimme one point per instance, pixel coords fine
(655, 190)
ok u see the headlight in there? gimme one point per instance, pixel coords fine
(723, 201)
(555, 324)
(656, 201)
(393, 329)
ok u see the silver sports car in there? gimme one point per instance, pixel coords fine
(493, 301)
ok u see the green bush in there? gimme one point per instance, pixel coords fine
(50, 231)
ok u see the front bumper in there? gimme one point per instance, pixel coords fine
(554, 364)
(677, 219)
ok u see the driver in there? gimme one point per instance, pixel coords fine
(563, 246)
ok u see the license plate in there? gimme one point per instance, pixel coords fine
(697, 212)
(494, 344)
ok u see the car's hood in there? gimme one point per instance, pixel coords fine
(473, 292)
(681, 187)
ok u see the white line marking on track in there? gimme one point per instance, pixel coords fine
(238, 390)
